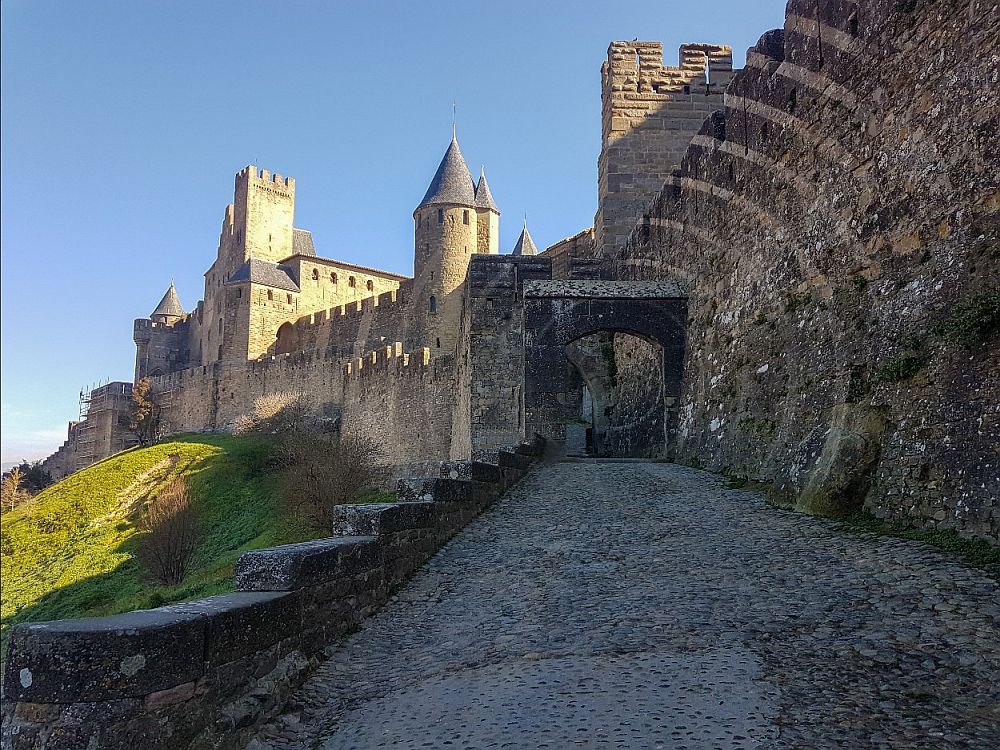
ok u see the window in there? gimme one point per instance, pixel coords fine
(440, 216)
(438, 343)
(434, 304)
(270, 296)
(369, 285)
(220, 325)
(351, 282)
(289, 298)
(315, 274)
(465, 217)
(333, 278)
(239, 292)
(220, 351)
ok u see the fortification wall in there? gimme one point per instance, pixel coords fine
(403, 401)
(837, 226)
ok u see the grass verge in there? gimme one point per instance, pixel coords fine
(69, 551)
(977, 553)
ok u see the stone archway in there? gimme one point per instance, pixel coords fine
(557, 313)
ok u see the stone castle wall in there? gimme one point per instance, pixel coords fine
(832, 225)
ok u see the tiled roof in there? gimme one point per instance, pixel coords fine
(264, 272)
(525, 245)
(170, 304)
(452, 182)
(484, 198)
(302, 242)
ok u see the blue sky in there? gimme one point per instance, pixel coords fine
(123, 124)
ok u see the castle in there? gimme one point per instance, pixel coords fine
(766, 290)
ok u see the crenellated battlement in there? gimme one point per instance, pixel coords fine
(265, 178)
(392, 359)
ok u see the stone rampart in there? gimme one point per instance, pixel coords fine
(837, 225)
(204, 674)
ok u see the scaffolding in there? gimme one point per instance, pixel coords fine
(102, 408)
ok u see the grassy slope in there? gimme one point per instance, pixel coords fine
(68, 553)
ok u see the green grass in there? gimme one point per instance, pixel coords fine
(975, 552)
(69, 551)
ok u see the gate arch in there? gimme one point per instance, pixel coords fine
(556, 313)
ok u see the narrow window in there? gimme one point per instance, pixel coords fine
(434, 304)
(440, 216)
(220, 351)
(687, 89)
(315, 274)
(289, 298)
(465, 217)
(220, 325)
(239, 292)
(369, 286)
(351, 282)
(333, 278)
(270, 295)
(438, 343)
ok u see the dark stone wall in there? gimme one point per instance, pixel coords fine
(836, 225)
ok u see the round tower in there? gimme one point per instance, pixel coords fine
(446, 234)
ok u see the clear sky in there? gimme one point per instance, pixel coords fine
(124, 124)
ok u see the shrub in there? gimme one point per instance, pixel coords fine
(322, 470)
(973, 320)
(274, 413)
(170, 534)
(902, 368)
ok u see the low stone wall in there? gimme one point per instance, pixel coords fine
(203, 674)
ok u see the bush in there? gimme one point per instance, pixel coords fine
(274, 413)
(170, 534)
(973, 320)
(322, 470)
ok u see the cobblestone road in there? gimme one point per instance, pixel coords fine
(645, 605)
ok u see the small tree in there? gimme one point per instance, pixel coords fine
(170, 534)
(322, 470)
(11, 494)
(144, 413)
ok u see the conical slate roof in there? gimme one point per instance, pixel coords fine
(452, 182)
(484, 198)
(170, 304)
(525, 245)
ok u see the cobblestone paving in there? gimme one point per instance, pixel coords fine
(606, 605)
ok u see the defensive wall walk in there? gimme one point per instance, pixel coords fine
(605, 605)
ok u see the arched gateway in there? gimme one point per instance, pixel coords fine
(560, 312)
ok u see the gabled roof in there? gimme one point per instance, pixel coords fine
(302, 242)
(265, 273)
(484, 198)
(525, 245)
(452, 182)
(170, 304)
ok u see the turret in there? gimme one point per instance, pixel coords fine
(525, 245)
(169, 311)
(446, 234)
(160, 339)
(488, 216)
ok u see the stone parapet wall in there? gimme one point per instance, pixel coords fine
(831, 222)
(204, 674)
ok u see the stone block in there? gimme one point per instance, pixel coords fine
(294, 566)
(104, 658)
(244, 622)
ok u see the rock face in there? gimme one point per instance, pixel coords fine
(836, 225)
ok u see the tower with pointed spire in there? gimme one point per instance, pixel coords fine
(456, 219)
(161, 339)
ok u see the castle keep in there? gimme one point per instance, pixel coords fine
(777, 258)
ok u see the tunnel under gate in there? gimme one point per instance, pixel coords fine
(558, 314)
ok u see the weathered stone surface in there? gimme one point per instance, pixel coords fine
(294, 566)
(103, 657)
